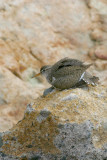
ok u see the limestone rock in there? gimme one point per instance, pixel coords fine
(69, 124)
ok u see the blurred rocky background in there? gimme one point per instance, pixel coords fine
(38, 32)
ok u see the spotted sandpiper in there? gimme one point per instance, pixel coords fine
(67, 73)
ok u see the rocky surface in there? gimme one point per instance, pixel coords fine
(15, 94)
(64, 125)
(35, 33)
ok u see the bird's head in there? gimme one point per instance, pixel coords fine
(45, 70)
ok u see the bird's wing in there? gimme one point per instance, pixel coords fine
(66, 62)
(68, 70)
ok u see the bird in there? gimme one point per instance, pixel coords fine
(68, 73)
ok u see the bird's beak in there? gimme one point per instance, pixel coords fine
(37, 75)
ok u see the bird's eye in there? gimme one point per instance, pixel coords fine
(41, 70)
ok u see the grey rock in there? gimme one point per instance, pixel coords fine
(70, 97)
(29, 109)
(43, 115)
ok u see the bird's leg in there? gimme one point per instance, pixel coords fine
(47, 91)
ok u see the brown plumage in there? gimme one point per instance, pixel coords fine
(68, 73)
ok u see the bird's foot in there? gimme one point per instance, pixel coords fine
(48, 91)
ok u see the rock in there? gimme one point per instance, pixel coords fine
(15, 94)
(36, 33)
(91, 54)
(98, 35)
(101, 65)
(31, 33)
(99, 29)
(98, 51)
(69, 124)
(101, 52)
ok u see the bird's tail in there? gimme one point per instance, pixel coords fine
(88, 65)
(89, 79)
(94, 80)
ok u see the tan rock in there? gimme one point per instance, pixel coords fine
(101, 65)
(99, 5)
(15, 94)
(101, 52)
(99, 35)
(63, 121)
(36, 33)
(98, 51)
(91, 53)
